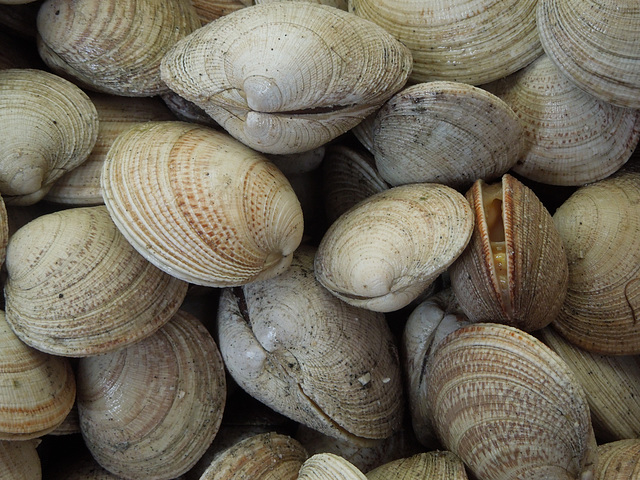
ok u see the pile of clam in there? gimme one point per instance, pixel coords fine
(323, 240)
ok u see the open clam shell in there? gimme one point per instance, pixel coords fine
(509, 407)
(20, 460)
(287, 77)
(595, 44)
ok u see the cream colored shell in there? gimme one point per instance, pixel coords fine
(619, 460)
(20, 460)
(437, 465)
(327, 466)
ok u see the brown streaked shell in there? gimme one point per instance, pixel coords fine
(200, 205)
(210, 10)
(113, 46)
(619, 460)
(515, 268)
(20, 460)
(386, 250)
(327, 466)
(76, 287)
(37, 390)
(445, 132)
(438, 465)
(151, 409)
(508, 406)
(600, 227)
(287, 77)
(595, 44)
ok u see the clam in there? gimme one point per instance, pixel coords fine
(37, 390)
(328, 466)
(386, 250)
(474, 41)
(508, 406)
(571, 137)
(76, 287)
(287, 77)
(151, 409)
(304, 353)
(445, 132)
(619, 460)
(79, 467)
(210, 10)
(20, 460)
(515, 268)
(600, 228)
(437, 465)
(49, 126)
(113, 46)
(200, 205)
(594, 44)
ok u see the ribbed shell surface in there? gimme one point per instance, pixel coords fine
(327, 466)
(437, 465)
(19, 461)
(619, 460)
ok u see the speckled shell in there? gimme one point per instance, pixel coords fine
(19, 460)
(571, 137)
(200, 205)
(76, 287)
(445, 132)
(287, 77)
(534, 264)
(619, 460)
(600, 227)
(430, 465)
(306, 354)
(473, 41)
(595, 44)
(327, 466)
(150, 410)
(37, 390)
(49, 127)
(385, 251)
(113, 46)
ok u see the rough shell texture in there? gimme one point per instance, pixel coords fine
(571, 137)
(113, 46)
(595, 44)
(619, 460)
(306, 354)
(600, 227)
(509, 407)
(79, 467)
(287, 77)
(473, 41)
(37, 390)
(515, 268)
(150, 410)
(327, 466)
(430, 465)
(445, 132)
(200, 205)
(19, 460)
(388, 249)
(76, 287)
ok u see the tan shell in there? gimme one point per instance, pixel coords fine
(430, 465)
(619, 460)
(595, 44)
(113, 46)
(388, 249)
(341, 4)
(49, 127)
(287, 77)
(509, 407)
(571, 137)
(269, 456)
(611, 383)
(150, 410)
(600, 227)
(210, 10)
(76, 287)
(515, 268)
(206, 209)
(445, 132)
(304, 353)
(473, 41)
(20, 460)
(327, 466)
(37, 390)
(70, 425)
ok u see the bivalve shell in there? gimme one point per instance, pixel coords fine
(430, 465)
(619, 460)
(327, 466)
(20, 460)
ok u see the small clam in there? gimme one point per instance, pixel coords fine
(19, 460)
(619, 460)
(327, 466)
(287, 77)
(515, 268)
(430, 465)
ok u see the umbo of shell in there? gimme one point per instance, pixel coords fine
(441, 276)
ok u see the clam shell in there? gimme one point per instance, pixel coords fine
(474, 41)
(200, 205)
(508, 406)
(445, 132)
(150, 410)
(113, 46)
(19, 460)
(327, 466)
(304, 353)
(49, 126)
(37, 390)
(210, 10)
(571, 137)
(600, 227)
(386, 250)
(76, 287)
(287, 77)
(619, 460)
(595, 44)
(432, 465)
(515, 268)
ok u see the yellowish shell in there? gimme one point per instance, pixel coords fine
(619, 460)
(19, 460)
(430, 465)
(327, 466)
